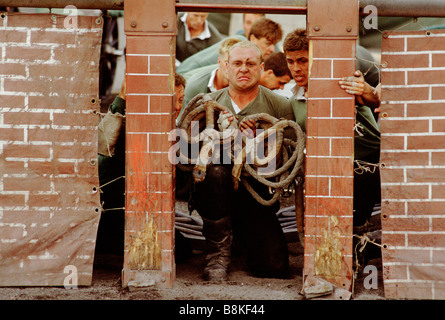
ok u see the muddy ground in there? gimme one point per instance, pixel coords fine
(189, 285)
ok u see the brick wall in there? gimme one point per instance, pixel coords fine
(150, 202)
(330, 144)
(49, 199)
(329, 172)
(413, 158)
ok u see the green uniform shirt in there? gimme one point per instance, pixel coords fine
(198, 82)
(265, 102)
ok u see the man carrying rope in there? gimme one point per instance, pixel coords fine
(227, 211)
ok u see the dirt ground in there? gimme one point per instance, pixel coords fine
(189, 285)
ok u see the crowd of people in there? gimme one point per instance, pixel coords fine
(248, 74)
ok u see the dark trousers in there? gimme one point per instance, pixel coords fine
(254, 225)
(367, 192)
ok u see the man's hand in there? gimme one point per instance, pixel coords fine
(225, 120)
(354, 85)
(248, 128)
(364, 93)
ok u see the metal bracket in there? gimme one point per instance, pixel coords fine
(149, 16)
(332, 18)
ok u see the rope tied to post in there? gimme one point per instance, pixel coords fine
(269, 157)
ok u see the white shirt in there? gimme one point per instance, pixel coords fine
(211, 84)
(299, 93)
(235, 106)
(287, 90)
(204, 35)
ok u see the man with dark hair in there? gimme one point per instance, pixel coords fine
(367, 137)
(276, 73)
(265, 33)
(296, 40)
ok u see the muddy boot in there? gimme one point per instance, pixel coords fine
(218, 236)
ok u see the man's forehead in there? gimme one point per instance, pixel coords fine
(198, 14)
(297, 54)
(284, 79)
(269, 39)
(252, 16)
(239, 53)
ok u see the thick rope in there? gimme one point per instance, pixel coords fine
(202, 107)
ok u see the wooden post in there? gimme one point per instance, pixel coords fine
(332, 28)
(150, 28)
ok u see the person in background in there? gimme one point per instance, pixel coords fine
(209, 78)
(367, 135)
(248, 21)
(183, 179)
(180, 83)
(265, 33)
(195, 33)
(276, 73)
(110, 235)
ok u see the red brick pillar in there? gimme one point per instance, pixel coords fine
(150, 28)
(333, 29)
(412, 160)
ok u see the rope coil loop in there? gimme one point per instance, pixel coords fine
(269, 157)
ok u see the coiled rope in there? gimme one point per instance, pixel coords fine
(287, 154)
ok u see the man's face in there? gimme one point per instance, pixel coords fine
(222, 63)
(196, 20)
(267, 47)
(272, 82)
(179, 90)
(249, 19)
(244, 68)
(298, 64)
